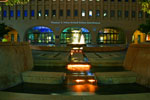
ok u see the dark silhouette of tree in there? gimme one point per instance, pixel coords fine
(145, 28)
(3, 30)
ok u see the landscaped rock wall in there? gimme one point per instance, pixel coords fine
(15, 58)
(138, 60)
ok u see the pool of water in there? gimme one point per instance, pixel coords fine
(78, 89)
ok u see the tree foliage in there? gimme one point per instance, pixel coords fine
(145, 28)
(15, 2)
(145, 5)
(3, 30)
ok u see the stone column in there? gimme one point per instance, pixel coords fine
(94, 37)
(129, 34)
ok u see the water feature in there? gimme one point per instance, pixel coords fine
(79, 77)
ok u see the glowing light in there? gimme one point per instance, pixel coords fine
(82, 40)
(148, 37)
(84, 88)
(75, 48)
(80, 80)
(78, 67)
(3, 0)
(76, 31)
(81, 48)
(92, 80)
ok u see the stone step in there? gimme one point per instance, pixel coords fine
(116, 77)
(43, 77)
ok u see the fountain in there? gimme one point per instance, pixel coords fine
(78, 39)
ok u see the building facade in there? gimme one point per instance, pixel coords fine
(66, 21)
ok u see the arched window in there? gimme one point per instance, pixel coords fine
(110, 36)
(75, 35)
(40, 35)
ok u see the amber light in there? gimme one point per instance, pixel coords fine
(92, 80)
(80, 80)
(78, 67)
(84, 88)
(3, 0)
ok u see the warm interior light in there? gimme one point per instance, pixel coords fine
(75, 48)
(78, 67)
(80, 80)
(92, 80)
(84, 88)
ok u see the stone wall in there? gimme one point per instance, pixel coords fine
(138, 60)
(14, 59)
(85, 49)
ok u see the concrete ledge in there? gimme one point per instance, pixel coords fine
(101, 49)
(24, 96)
(14, 43)
(15, 58)
(86, 49)
(138, 60)
(43, 77)
(116, 77)
(50, 48)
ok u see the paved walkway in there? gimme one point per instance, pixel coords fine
(23, 96)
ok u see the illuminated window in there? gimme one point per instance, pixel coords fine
(54, 0)
(18, 13)
(25, 13)
(90, 12)
(97, 13)
(39, 13)
(46, 13)
(83, 13)
(11, 13)
(40, 34)
(90, 0)
(75, 0)
(109, 36)
(53, 13)
(105, 13)
(4, 13)
(32, 13)
(83, 0)
(97, 0)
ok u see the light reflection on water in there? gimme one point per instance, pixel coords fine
(80, 88)
(80, 79)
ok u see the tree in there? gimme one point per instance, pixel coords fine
(145, 28)
(3, 30)
(14, 2)
(145, 5)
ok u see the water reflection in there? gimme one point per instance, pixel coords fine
(79, 88)
(79, 76)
